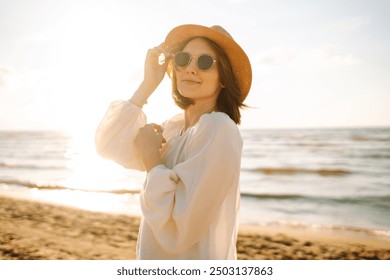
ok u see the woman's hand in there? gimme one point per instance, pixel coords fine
(156, 64)
(148, 143)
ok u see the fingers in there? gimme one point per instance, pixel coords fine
(158, 130)
(156, 127)
(163, 49)
(153, 126)
(153, 129)
(163, 54)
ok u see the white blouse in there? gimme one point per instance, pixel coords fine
(190, 204)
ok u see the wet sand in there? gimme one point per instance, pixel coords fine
(38, 231)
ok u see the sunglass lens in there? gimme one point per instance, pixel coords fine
(205, 62)
(182, 59)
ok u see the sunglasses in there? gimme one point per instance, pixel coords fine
(203, 62)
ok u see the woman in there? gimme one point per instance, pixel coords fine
(190, 199)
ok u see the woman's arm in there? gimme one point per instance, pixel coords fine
(117, 131)
(154, 73)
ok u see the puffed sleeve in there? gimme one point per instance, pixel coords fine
(179, 204)
(115, 134)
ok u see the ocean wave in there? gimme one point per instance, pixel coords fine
(377, 201)
(382, 201)
(274, 196)
(379, 233)
(296, 171)
(39, 186)
(377, 156)
(377, 138)
(28, 166)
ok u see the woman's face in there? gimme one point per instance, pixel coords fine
(194, 83)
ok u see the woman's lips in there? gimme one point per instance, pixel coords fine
(190, 82)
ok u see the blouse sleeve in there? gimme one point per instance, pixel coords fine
(180, 204)
(115, 135)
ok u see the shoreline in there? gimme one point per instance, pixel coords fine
(45, 231)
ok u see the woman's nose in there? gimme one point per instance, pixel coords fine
(191, 67)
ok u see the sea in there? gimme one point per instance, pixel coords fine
(331, 179)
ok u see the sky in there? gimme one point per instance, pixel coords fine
(316, 64)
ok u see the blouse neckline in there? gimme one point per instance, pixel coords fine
(182, 132)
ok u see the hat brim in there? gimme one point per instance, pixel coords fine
(238, 59)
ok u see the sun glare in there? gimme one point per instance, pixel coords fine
(92, 173)
(99, 62)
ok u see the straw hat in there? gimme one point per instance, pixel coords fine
(237, 57)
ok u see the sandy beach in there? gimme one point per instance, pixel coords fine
(38, 231)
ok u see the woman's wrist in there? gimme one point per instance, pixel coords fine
(141, 95)
(139, 101)
(152, 160)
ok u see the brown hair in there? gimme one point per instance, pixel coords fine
(229, 99)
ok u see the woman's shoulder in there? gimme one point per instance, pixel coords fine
(173, 124)
(218, 122)
(217, 129)
(176, 119)
(217, 118)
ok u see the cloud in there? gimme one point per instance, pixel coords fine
(277, 56)
(323, 56)
(350, 24)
